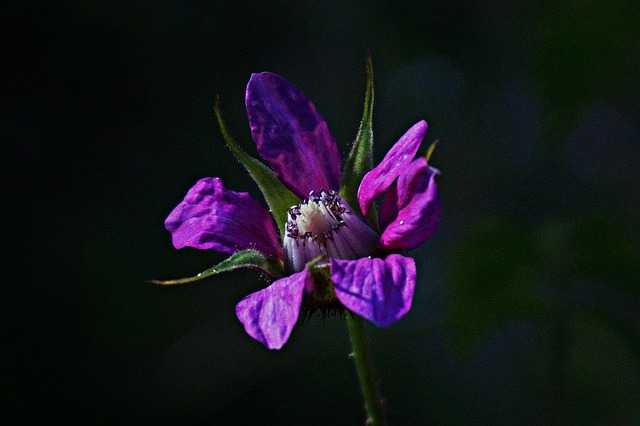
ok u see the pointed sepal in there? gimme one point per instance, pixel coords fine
(430, 150)
(251, 259)
(360, 160)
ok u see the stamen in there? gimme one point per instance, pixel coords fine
(324, 224)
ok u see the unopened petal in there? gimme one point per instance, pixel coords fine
(376, 289)
(213, 217)
(380, 178)
(269, 315)
(411, 210)
(291, 136)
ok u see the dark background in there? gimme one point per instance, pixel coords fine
(526, 309)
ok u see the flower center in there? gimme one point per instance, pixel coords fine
(316, 218)
(324, 224)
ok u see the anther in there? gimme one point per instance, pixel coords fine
(324, 225)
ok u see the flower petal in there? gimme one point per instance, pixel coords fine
(291, 136)
(389, 207)
(378, 180)
(410, 213)
(378, 290)
(213, 217)
(270, 314)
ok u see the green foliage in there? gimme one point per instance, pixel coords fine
(581, 47)
(251, 259)
(503, 271)
(604, 376)
(606, 254)
(492, 280)
(360, 159)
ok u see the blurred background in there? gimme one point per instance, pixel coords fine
(528, 300)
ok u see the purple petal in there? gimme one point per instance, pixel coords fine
(213, 217)
(378, 180)
(291, 136)
(378, 290)
(269, 315)
(389, 207)
(410, 213)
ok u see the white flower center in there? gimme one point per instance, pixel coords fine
(324, 224)
(315, 218)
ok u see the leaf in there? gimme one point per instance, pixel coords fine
(251, 259)
(278, 197)
(360, 160)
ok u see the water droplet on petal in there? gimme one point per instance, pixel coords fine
(402, 222)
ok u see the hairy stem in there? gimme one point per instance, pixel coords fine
(364, 367)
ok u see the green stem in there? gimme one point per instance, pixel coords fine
(364, 366)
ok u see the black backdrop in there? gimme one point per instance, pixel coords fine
(527, 301)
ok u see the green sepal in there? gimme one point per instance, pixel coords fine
(278, 197)
(360, 160)
(251, 259)
(430, 150)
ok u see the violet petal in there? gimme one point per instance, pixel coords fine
(213, 217)
(378, 290)
(270, 314)
(291, 136)
(416, 200)
(381, 177)
(389, 207)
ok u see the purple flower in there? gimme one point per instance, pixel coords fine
(363, 270)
